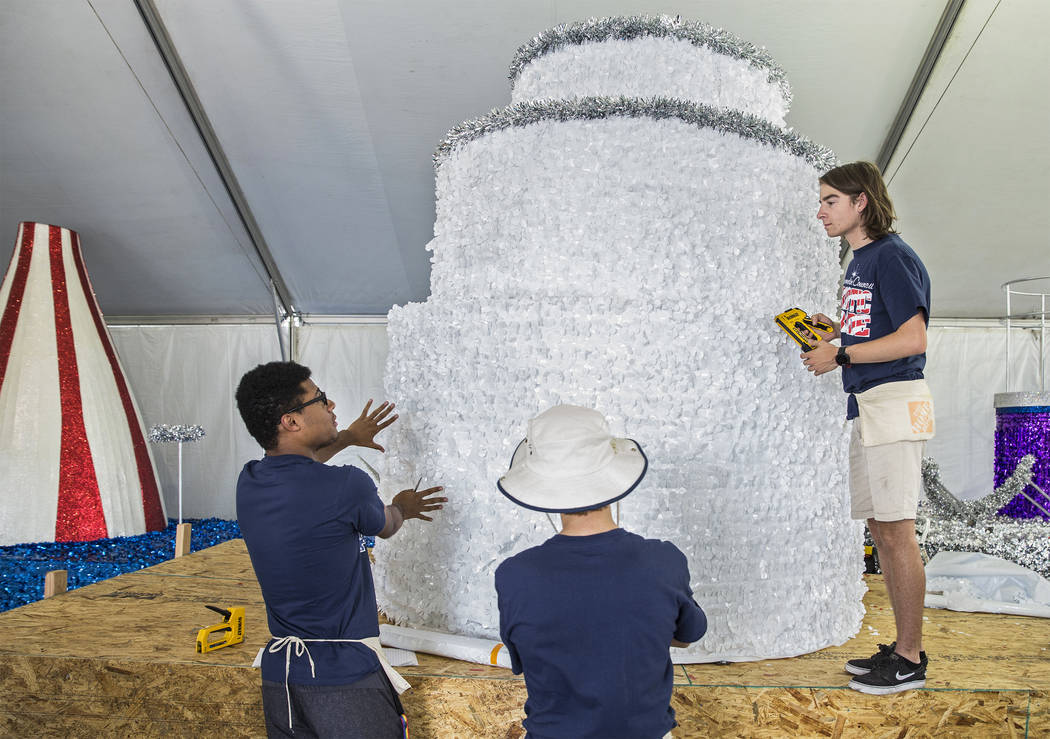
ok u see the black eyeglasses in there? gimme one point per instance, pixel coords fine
(321, 398)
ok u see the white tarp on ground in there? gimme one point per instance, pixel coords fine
(971, 581)
(188, 374)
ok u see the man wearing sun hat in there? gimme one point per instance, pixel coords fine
(588, 615)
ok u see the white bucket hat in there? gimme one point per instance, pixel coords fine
(569, 462)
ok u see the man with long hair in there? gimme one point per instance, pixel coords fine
(885, 309)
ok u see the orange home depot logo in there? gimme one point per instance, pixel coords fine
(921, 413)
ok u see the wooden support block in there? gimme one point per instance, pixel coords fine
(55, 582)
(182, 539)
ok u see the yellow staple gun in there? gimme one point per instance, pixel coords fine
(230, 631)
(797, 324)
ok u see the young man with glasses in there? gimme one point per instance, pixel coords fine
(304, 523)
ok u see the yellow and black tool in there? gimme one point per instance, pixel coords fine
(798, 325)
(230, 631)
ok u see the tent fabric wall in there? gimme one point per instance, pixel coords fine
(188, 374)
(966, 367)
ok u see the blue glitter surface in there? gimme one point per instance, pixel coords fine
(23, 566)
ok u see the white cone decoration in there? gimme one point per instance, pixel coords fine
(628, 251)
(74, 463)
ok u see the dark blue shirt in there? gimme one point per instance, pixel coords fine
(303, 522)
(885, 285)
(589, 620)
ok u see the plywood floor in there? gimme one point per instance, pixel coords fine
(118, 658)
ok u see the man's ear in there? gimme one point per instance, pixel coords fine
(861, 201)
(290, 423)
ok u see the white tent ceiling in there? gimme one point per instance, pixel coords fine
(328, 112)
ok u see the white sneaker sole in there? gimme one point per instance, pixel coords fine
(856, 670)
(886, 689)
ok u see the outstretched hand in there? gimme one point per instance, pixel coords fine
(413, 503)
(362, 432)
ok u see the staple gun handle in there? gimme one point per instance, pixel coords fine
(819, 324)
(221, 611)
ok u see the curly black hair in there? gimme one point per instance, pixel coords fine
(265, 393)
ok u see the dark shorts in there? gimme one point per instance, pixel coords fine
(369, 708)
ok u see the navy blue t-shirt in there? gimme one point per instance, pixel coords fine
(302, 522)
(885, 285)
(589, 620)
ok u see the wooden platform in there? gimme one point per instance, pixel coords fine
(117, 659)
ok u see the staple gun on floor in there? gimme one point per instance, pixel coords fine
(230, 631)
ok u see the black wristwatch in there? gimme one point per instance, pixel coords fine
(841, 358)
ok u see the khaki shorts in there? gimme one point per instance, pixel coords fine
(885, 481)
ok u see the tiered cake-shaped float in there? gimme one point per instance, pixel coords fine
(621, 237)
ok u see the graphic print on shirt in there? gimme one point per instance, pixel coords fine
(856, 305)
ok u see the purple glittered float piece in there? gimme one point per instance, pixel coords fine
(1021, 430)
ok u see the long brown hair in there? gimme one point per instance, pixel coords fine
(864, 177)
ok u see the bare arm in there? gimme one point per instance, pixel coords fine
(908, 340)
(410, 504)
(327, 452)
(394, 519)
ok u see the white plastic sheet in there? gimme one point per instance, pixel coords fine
(468, 649)
(971, 581)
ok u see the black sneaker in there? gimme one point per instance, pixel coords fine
(863, 666)
(891, 675)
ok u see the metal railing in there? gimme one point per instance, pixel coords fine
(1042, 292)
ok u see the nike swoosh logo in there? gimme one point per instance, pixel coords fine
(902, 677)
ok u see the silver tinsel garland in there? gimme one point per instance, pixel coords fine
(972, 525)
(625, 28)
(658, 108)
(940, 503)
(1024, 541)
(164, 433)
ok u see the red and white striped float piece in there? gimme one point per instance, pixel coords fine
(74, 463)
